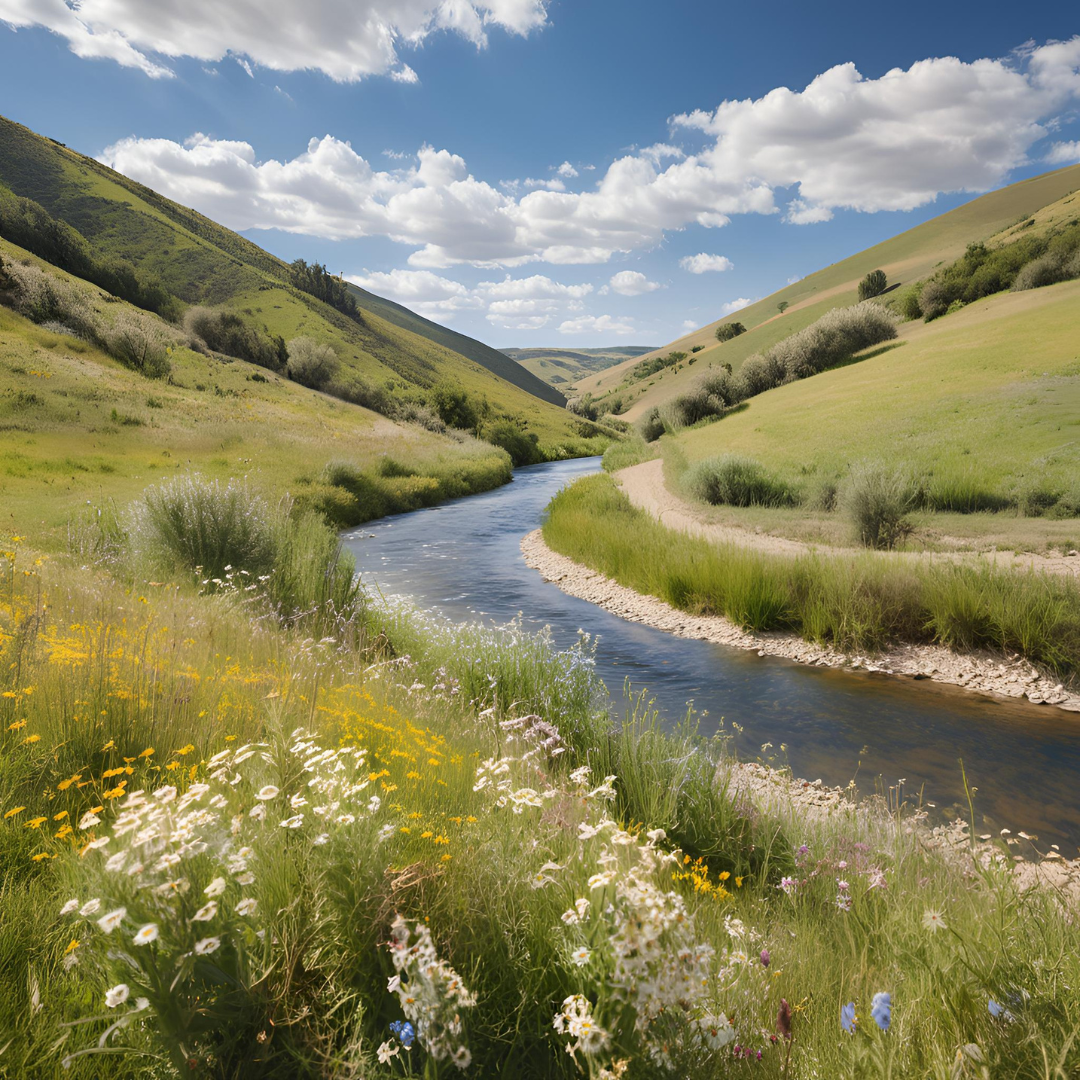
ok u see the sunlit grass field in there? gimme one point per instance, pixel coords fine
(372, 844)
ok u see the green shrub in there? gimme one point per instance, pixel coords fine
(727, 331)
(908, 303)
(138, 341)
(735, 481)
(878, 502)
(48, 298)
(627, 452)
(651, 426)
(228, 333)
(934, 300)
(310, 363)
(194, 524)
(457, 408)
(874, 284)
(523, 447)
(835, 337)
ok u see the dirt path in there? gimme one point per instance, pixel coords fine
(644, 487)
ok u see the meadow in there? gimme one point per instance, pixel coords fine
(348, 839)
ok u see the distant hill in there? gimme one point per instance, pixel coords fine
(564, 367)
(386, 353)
(905, 258)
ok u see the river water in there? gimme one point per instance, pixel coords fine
(462, 559)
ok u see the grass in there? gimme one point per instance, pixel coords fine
(936, 410)
(858, 603)
(484, 808)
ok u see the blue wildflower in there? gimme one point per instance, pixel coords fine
(881, 1010)
(404, 1031)
(847, 1017)
(995, 1009)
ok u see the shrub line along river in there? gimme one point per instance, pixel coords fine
(463, 560)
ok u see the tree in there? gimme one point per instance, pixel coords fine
(874, 284)
(727, 331)
(782, 306)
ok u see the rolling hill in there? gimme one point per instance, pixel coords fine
(906, 258)
(386, 353)
(564, 367)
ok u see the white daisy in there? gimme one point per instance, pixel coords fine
(112, 920)
(207, 946)
(146, 934)
(117, 995)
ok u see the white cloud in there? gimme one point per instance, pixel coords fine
(426, 293)
(1064, 153)
(567, 170)
(245, 65)
(554, 184)
(597, 324)
(531, 288)
(345, 39)
(704, 264)
(843, 142)
(735, 305)
(793, 280)
(631, 283)
(689, 325)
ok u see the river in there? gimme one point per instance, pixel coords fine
(463, 560)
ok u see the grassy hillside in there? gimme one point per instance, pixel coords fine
(564, 367)
(385, 355)
(987, 397)
(493, 359)
(905, 259)
(76, 426)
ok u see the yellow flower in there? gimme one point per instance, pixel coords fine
(738, 882)
(32, 738)
(724, 875)
(65, 784)
(426, 835)
(67, 830)
(441, 840)
(405, 829)
(112, 772)
(60, 817)
(73, 944)
(172, 765)
(116, 792)
(41, 855)
(110, 745)
(412, 776)
(34, 823)
(15, 810)
(18, 725)
(148, 752)
(184, 750)
(446, 858)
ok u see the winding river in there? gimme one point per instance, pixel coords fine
(463, 560)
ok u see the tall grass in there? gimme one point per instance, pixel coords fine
(856, 603)
(735, 481)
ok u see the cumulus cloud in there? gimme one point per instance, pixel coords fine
(689, 325)
(555, 184)
(1064, 153)
(597, 324)
(631, 283)
(704, 264)
(844, 142)
(735, 305)
(525, 303)
(567, 170)
(345, 39)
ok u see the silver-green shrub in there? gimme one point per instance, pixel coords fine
(877, 501)
(310, 363)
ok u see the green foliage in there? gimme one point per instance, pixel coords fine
(583, 406)
(727, 331)
(874, 284)
(138, 342)
(651, 425)
(315, 280)
(626, 452)
(646, 368)
(782, 306)
(191, 524)
(877, 501)
(858, 603)
(522, 446)
(310, 363)
(731, 480)
(227, 332)
(908, 303)
(457, 408)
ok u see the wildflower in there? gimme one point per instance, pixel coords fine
(207, 946)
(765, 958)
(788, 885)
(783, 1019)
(116, 862)
(881, 1010)
(206, 912)
(267, 792)
(404, 1031)
(246, 878)
(257, 812)
(247, 906)
(580, 956)
(933, 921)
(69, 907)
(112, 920)
(998, 1011)
(146, 934)
(165, 794)
(91, 907)
(117, 995)
(717, 1030)
(848, 1018)
(72, 945)
(215, 888)
(387, 1050)
(141, 1003)
(89, 820)
(462, 1057)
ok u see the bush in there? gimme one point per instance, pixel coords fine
(456, 408)
(1048, 270)
(934, 300)
(46, 298)
(138, 342)
(583, 406)
(413, 413)
(227, 333)
(650, 426)
(735, 481)
(357, 391)
(310, 363)
(908, 303)
(874, 284)
(878, 501)
(523, 447)
(835, 337)
(190, 523)
(727, 331)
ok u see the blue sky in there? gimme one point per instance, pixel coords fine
(441, 128)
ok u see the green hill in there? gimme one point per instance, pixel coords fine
(564, 367)
(387, 357)
(909, 257)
